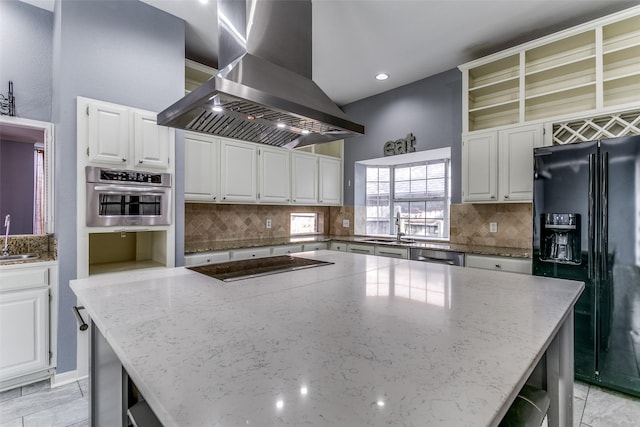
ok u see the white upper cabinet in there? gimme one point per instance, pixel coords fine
(515, 161)
(150, 141)
(108, 133)
(304, 186)
(274, 175)
(238, 172)
(330, 176)
(498, 166)
(479, 167)
(124, 137)
(589, 69)
(202, 154)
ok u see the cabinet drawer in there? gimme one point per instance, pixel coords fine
(250, 253)
(338, 246)
(361, 249)
(402, 253)
(23, 278)
(497, 263)
(286, 249)
(314, 246)
(206, 258)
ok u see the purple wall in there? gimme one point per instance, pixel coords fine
(16, 185)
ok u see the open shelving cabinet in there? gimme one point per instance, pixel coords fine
(590, 68)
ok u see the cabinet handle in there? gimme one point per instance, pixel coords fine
(506, 196)
(124, 160)
(76, 311)
(214, 197)
(493, 197)
(498, 266)
(224, 198)
(139, 161)
(294, 200)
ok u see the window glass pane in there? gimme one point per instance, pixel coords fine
(372, 174)
(419, 172)
(419, 188)
(402, 189)
(434, 209)
(435, 170)
(435, 188)
(384, 188)
(384, 174)
(402, 173)
(372, 188)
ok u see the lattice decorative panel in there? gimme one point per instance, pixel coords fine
(601, 127)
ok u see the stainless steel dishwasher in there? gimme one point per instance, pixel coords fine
(440, 257)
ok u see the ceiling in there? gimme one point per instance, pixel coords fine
(353, 40)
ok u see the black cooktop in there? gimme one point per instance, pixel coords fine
(244, 269)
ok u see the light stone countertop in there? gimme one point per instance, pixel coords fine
(366, 341)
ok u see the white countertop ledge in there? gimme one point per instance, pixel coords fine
(365, 341)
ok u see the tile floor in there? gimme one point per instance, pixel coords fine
(66, 406)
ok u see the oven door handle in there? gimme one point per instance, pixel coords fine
(127, 189)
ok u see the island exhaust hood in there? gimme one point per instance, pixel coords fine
(263, 91)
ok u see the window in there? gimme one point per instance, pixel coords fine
(304, 223)
(419, 192)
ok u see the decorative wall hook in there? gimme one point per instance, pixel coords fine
(8, 103)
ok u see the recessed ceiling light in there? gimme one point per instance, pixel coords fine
(281, 125)
(217, 108)
(382, 76)
(204, 1)
(304, 131)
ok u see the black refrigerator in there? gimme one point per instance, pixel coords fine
(586, 226)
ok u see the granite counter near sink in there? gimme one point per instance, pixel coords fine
(43, 245)
(423, 244)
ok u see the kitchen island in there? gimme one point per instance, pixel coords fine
(365, 341)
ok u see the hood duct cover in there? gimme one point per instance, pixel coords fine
(263, 91)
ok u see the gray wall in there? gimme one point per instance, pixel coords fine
(120, 51)
(16, 185)
(431, 109)
(25, 57)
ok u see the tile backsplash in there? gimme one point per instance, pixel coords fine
(470, 224)
(215, 222)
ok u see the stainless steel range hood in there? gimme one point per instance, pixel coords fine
(263, 92)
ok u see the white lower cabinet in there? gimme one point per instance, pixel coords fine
(391, 252)
(498, 263)
(286, 249)
(316, 246)
(338, 246)
(361, 249)
(250, 253)
(206, 258)
(25, 324)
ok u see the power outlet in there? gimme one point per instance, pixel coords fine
(268, 223)
(493, 227)
(345, 223)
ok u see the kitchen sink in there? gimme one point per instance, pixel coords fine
(18, 257)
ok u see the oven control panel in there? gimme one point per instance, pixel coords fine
(106, 175)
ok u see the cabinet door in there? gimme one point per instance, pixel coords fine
(516, 162)
(151, 142)
(330, 176)
(275, 175)
(24, 332)
(201, 168)
(108, 133)
(304, 186)
(238, 181)
(479, 168)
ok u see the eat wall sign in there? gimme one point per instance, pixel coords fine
(400, 146)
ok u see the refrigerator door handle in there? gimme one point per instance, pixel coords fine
(591, 220)
(604, 216)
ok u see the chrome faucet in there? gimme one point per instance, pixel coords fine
(7, 224)
(399, 233)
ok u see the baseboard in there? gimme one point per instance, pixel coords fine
(65, 378)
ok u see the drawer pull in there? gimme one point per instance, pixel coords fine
(498, 266)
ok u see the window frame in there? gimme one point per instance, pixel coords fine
(393, 200)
